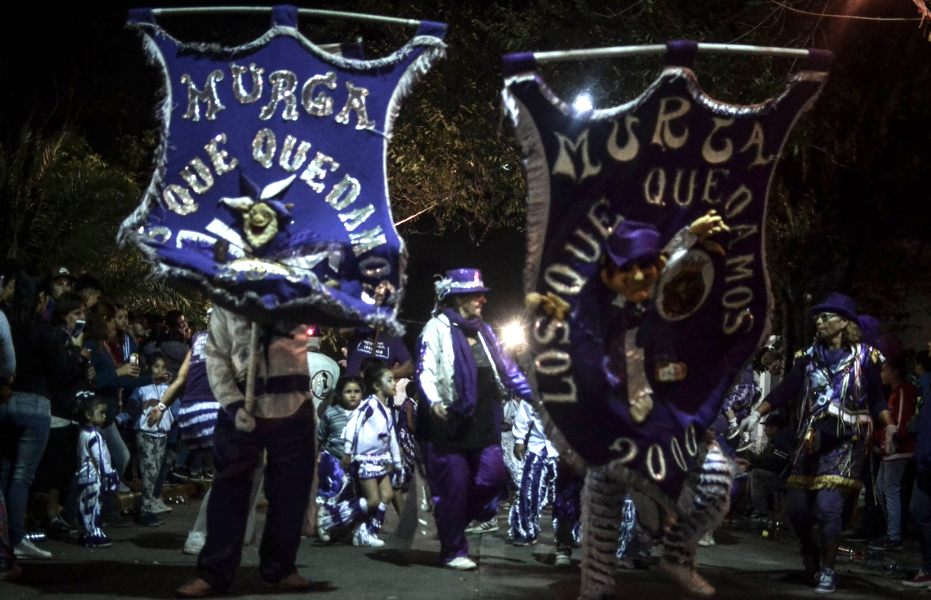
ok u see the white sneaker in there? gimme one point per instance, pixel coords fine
(26, 549)
(195, 542)
(161, 507)
(362, 537)
(563, 558)
(462, 563)
(486, 527)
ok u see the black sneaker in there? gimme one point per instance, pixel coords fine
(884, 543)
(150, 520)
(858, 536)
(174, 479)
(115, 519)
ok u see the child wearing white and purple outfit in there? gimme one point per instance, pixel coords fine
(538, 476)
(95, 473)
(335, 485)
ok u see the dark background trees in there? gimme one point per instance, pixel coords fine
(847, 210)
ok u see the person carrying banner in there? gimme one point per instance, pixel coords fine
(279, 424)
(461, 369)
(837, 383)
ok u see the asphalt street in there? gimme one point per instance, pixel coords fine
(148, 563)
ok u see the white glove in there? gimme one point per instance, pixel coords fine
(749, 425)
(244, 421)
(888, 441)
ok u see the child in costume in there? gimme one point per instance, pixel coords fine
(95, 473)
(334, 480)
(538, 478)
(370, 451)
(405, 420)
(152, 435)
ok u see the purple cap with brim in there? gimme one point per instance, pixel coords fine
(633, 242)
(837, 304)
(461, 281)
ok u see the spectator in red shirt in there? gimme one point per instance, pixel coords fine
(897, 447)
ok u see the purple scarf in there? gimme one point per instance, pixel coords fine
(466, 371)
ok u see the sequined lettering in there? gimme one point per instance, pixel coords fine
(354, 218)
(564, 279)
(218, 156)
(355, 103)
(677, 184)
(367, 240)
(663, 135)
(713, 155)
(288, 163)
(208, 95)
(322, 105)
(179, 200)
(264, 147)
(284, 86)
(568, 149)
(316, 170)
(756, 141)
(631, 148)
(565, 391)
(239, 91)
(344, 193)
(200, 179)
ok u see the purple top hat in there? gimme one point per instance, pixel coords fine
(460, 281)
(633, 242)
(838, 304)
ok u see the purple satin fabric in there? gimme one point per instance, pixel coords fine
(466, 380)
(465, 486)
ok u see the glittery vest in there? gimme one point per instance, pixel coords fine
(836, 390)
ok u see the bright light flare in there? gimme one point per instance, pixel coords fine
(583, 102)
(513, 335)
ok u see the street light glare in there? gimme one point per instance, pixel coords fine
(583, 102)
(512, 335)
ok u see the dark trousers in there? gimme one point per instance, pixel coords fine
(289, 472)
(920, 510)
(824, 507)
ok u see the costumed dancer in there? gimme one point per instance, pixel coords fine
(461, 369)
(370, 450)
(511, 406)
(95, 473)
(405, 425)
(737, 404)
(282, 417)
(537, 485)
(837, 384)
(335, 485)
(634, 261)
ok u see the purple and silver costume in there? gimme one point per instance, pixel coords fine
(463, 457)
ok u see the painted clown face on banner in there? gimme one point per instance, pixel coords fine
(270, 193)
(645, 258)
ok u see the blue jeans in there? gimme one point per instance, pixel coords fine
(889, 484)
(24, 428)
(119, 453)
(920, 510)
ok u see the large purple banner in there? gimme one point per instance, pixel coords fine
(270, 193)
(649, 304)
